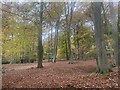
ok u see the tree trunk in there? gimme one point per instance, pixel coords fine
(119, 34)
(118, 42)
(106, 27)
(56, 40)
(114, 31)
(69, 42)
(99, 38)
(40, 47)
(51, 39)
(74, 35)
(68, 24)
(66, 47)
(78, 49)
(77, 43)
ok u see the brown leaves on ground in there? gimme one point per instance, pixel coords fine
(58, 75)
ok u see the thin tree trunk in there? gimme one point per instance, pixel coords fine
(49, 44)
(66, 47)
(78, 49)
(106, 26)
(56, 40)
(77, 42)
(119, 34)
(51, 39)
(69, 46)
(40, 47)
(68, 31)
(114, 31)
(74, 35)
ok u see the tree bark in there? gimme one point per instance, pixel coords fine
(74, 35)
(114, 31)
(68, 25)
(99, 38)
(66, 47)
(119, 34)
(51, 39)
(56, 40)
(106, 27)
(40, 47)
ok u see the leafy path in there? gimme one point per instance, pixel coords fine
(57, 75)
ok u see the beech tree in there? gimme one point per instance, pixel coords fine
(61, 29)
(99, 38)
(40, 47)
(28, 11)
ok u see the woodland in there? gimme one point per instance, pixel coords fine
(60, 44)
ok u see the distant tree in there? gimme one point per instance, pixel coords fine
(58, 14)
(119, 33)
(69, 7)
(108, 35)
(114, 30)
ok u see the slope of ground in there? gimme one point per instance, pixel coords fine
(58, 75)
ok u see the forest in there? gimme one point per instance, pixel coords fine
(60, 44)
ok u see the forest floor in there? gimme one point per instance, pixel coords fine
(81, 74)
